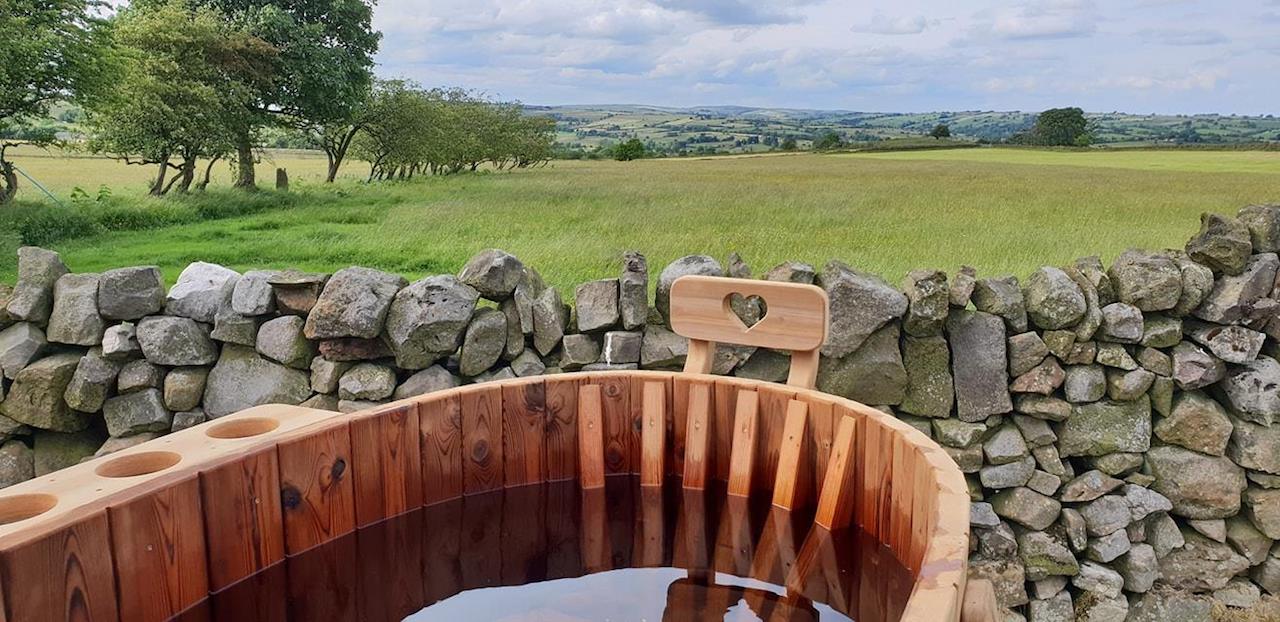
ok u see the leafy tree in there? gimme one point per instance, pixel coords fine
(180, 92)
(1061, 127)
(319, 78)
(630, 150)
(828, 141)
(47, 53)
(789, 144)
(941, 131)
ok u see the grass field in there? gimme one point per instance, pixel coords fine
(1002, 211)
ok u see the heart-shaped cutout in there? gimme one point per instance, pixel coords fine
(749, 309)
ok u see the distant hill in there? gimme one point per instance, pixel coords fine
(741, 129)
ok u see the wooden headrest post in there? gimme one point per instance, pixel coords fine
(795, 319)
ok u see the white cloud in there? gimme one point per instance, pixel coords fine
(882, 24)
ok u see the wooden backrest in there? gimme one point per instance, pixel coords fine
(795, 318)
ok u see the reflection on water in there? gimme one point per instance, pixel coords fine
(554, 553)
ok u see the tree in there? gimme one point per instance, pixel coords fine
(321, 75)
(180, 89)
(941, 131)
(47, 53)
(828, 141)
(630, 150)
(789, 144)
(1066, 127)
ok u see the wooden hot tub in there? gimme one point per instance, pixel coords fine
(148, 532)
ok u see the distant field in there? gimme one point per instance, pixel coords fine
(1000, 210)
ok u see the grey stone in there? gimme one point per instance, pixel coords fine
(1094, 609)
(930, 391)
(136, 413)
(515, 340)
(355, 406)
(1106, 549)
(1201, 565)
(1233, 344)
(1082, 353)
(201, 291)
(188, 419)
(1199, 423)
(927, 302)
(434, 378)
(120, 342)
(54, 451)
(253, 294)
(1093, 272)
(32, 297)
(1148, 281)
(1254, 446)
(1267, 575)
(860, 304)
(17, 463)
(1144, 502)
(684, 266)
(493, 273)
(874, 374)
(175, 341)
(773, 366)
(426, 320)
(969, 459)
(1116, 356)
(130, 293)
(139, 375)
(1139, 567)
(662, 348)
(1044, 379)
(1059, 342)
(1034, 430)
(296, 292)
(1098, 579)
(1010, 475)
(1163, 534)
(1044, 483)
(978, 354)
(1262, 507)
(792, 272)
(498, 375)
(35, 398)
(597, 305)
(961, 289)
(1053, 300)
(1238, 593)
(242, 379)
(118, 443)
(1215, 529)
(621, 347)
(1194, 368)
(1253, 390)
(956, 433)
(1025, 352)
(1165, 604)
(1026, 507)
(1072, 528)
(1199, 486)
(483, 342)
(549, 319)
(1088, 486)
(183, 387)
(1055, 608)
(1091, 321)
(579, 350)
(1233, 297)
(1116, 464)
(1043, 556)
(1223, 244)
(528, 364)
(1048, 459)
(1128, 386)
(1005, 445)
(1247, 540)
(1001, 296)
(282, 341)
(1161, 331)
(1155, 361)
(1042, 407)
(74, 319)
(231, 327)
(1121, 323)
(320, 401)
(1105, 427)
(1197, 282)
(355, 303)
(981, 515)
(633, 290)
(1105, 515)
(1006, 576)
(1263, 222)
(19, 345)
(1085, 383)
(367, 381)
(1162, 395)
(1264, 480)
(93, 381)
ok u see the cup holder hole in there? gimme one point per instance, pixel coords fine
(243, 428)
(21, 507)
(140, 463)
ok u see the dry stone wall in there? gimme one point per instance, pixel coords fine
(1119, 427)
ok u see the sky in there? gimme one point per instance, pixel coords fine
(1139, 56)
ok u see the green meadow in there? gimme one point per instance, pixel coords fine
(999, 210)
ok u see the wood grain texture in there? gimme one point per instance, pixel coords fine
(591, 469)
(561, 433)
(482, 541)
(524, 414)
(440, 423)
(724, 404)
(564, 519)
(389, 569)
(789, 485)
(615, 393)
(596, 546)
(387, 463)
(441, 550)
(158, 547)
(524, 535)
(697, 448)
(774, 400)
(819, 438)
(835, 501)
(653, 437)
(746, 419)
(322, 585)
(65, 575)
(482, 439)
(653, 529)
(316, 490)
(796, 318)
(244, 528)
